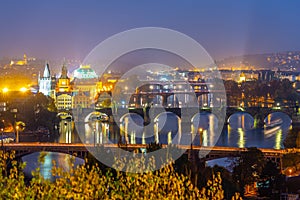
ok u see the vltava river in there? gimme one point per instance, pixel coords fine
(239, 132)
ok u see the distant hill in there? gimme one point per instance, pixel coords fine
(285, 61)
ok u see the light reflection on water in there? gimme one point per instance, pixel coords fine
(62, 160)
(239, 132)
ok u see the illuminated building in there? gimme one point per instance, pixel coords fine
(19, 62)
(45, 81)
(81, 100)
(84, 86)
(242, 77)
(85, 72)
(108, 82)
(63, 84)
(105, 88)
(64, 99)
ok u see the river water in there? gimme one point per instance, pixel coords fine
(238, 133)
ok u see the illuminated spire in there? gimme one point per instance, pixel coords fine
(64, 72)
(46, 71)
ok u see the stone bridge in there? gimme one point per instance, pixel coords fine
(186, 114)
(259, 113)
(81, 150)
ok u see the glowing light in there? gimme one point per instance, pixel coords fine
(169, 137)
(278, 139)
(241, 142)
(23, 89)
(4, 90)
(205, 138)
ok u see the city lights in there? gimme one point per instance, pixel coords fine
(170, 119)
(5, 90)
(23, 89)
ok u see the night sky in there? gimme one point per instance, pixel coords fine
(55, 29)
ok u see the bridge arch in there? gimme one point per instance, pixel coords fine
(95, 116)
(167, 124)
(131, 127)
(63, 115)
(80, 153)
(278, 119)
(202, 120)
(241, 119)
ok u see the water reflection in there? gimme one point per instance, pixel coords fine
(62, 161)
(268, 137)
(241, 120)
(167, 129)
(242, 140)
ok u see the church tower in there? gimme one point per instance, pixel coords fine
(64, 98)
(45, 81)
(63, 84)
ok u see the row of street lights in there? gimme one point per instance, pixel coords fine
(22, 89)
(19, 126)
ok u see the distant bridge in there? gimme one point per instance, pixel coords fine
(258, 113)
(80, 150)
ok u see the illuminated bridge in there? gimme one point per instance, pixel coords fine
(80, 150)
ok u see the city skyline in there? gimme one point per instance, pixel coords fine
(71, 29)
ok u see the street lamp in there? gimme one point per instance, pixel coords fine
(2, 126)
(20, 126)
(290, 172)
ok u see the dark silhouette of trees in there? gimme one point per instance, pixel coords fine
(271, 181)
(249, 168)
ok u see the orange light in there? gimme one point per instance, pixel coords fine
(23, 89)
(4, 90)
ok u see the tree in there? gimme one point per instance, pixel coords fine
(248, 168)
(291, 140)
(89, 182)
(270, 181)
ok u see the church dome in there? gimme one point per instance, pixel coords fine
(84, 72)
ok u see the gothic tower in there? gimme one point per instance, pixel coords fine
(45, 81)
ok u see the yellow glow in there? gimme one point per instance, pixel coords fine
(278, 139)
(205, 138)
(5, 90)
(241, 142)
(23, 89)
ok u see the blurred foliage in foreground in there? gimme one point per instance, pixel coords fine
(88, 182)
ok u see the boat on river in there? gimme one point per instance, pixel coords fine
(274, 123)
